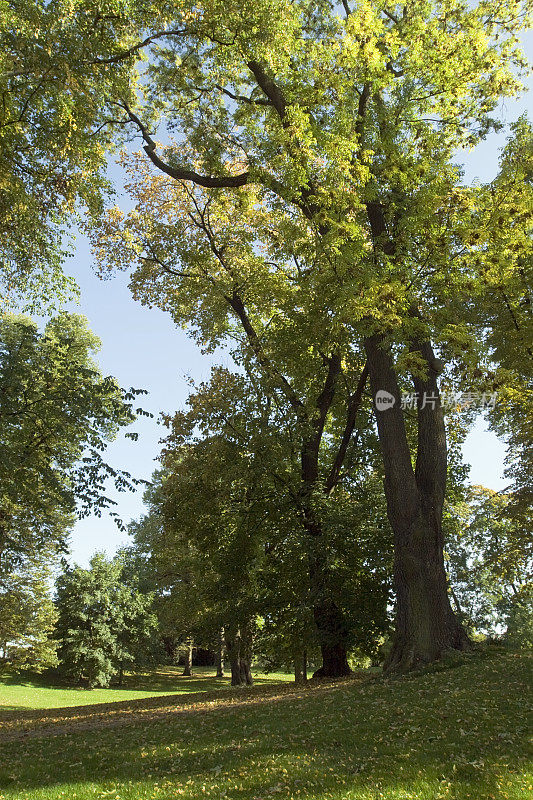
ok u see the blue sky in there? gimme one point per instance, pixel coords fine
(141, 347)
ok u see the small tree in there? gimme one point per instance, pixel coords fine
(27, 616)
(102, 621)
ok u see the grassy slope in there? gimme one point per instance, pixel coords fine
(37, 691)
(449, 735)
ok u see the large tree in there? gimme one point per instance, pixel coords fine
(311, 197)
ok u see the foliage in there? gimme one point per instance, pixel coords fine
(102, 622)
(54, 79)
(507, 312)
(27, 616)
(489, 559)
(57, 414)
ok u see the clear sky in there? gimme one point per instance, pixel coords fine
(141, 347)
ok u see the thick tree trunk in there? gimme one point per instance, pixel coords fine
(187, 671)
(426, 626)
(220, 654)
(239, 648)
(330, 623)
(333, 633)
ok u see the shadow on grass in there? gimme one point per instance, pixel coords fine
(25, 692)
(454, 735)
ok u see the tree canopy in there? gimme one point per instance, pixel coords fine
(298, 198)
(306, 205)
(57, 414)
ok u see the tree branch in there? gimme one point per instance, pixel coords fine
(311, 447)
(271, 90)
(354, 404)
(236, 303)
(181, 173)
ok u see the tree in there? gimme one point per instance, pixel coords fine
(27, 615)
(506, 266)
(56, 68)
(57, 414)
(312, 209)
(102, 622)
(201, 557)
(489, 560)
(231, 491)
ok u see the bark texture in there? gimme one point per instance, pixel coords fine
(426, 626)
(239, 649)
(187, 670)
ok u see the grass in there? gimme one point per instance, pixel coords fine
(451, 734)
(40, 691)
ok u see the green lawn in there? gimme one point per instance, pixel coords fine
(37, 691)
(452, 734)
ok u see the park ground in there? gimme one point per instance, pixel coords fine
(456, 732)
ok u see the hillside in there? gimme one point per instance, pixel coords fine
(456, 733)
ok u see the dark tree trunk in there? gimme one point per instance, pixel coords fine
(332, 632)
(233, 650)
(246, 672)
(300, 666)
(220, 654)
(239, 648)
(246, 655)
(187, 671)
(329, 621)
(426, 626)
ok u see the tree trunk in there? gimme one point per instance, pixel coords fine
(426, 626)
(220, 654)
(330, 623)
(233, 650)
(187, 671)
(300, 666)
(329, 619)
(239, 648)
(246, 654)
(332, 634)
